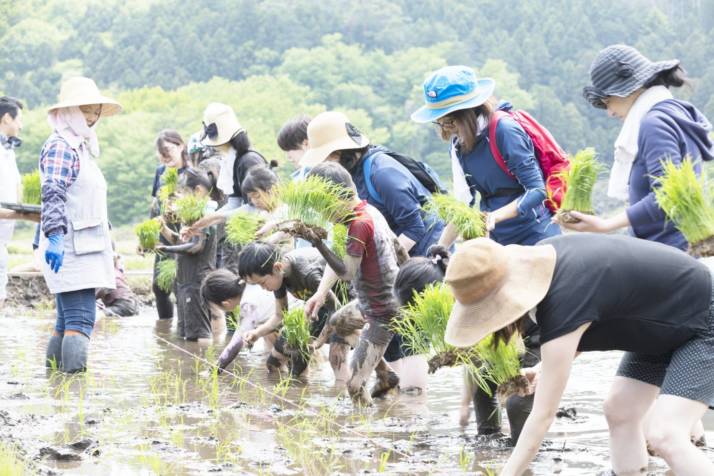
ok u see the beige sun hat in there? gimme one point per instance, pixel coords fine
(327, 132)
(220, 124)
(81, 91)
(494, 285)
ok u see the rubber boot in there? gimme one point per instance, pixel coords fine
(74, 353)
(53, 359)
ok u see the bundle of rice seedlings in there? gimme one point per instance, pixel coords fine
(31, 188)
(579, 180)
(166, 274)
(501, 364)
(422, 325)
(681, 196)
(168, 189)
(315, 202)
(190, 208)
(296, 331)
(339, 239)
(148, 233)
(242, 227)
(469, 221)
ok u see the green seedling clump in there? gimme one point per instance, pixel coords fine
(469, 221)
(148, 233)
(170, 183)
(315, 201)
(339, 239)
(190, 208)
(579, 180)
(31, 188)
(242, 227)
(296, 330)
(166, 274)
(681, 196)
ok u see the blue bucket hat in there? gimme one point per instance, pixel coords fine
(450, 89)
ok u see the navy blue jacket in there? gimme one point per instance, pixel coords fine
(497, 189)
(402, 197)
(671, 130)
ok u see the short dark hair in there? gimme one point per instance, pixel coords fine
(335, 173)
(240, 143)
(418, 272)
(293, 133)
(674, 77)
(193, 177)
(258, 179)
(257, 258)
(221, 285)
(10, 105)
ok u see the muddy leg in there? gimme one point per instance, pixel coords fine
(338, 362)
(367, 356)
(387, 379)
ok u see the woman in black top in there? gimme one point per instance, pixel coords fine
(594, 292)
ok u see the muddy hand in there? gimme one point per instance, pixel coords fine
(531, 374)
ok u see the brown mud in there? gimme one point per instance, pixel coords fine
(702, 249)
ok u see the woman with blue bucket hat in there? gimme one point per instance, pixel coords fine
(461, 105)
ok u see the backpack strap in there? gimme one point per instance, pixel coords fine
(367, 170)
(492, 124)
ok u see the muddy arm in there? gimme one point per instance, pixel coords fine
(192, 247)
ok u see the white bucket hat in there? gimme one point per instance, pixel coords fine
(328, 132)
(220, 124)
(81, 91)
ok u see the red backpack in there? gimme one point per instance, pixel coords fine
(552, 159)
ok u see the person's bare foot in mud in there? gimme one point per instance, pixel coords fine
(385, 383)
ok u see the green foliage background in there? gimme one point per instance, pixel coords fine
(166, 59)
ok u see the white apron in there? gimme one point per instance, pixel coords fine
(88, 257)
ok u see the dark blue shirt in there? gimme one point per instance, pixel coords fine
(497, 189)
(402, 196)
(671, 130)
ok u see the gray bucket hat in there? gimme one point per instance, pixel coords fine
(619, 70)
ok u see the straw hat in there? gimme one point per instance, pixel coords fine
(452, 88)
(327, 132)
(494, 285)
(81, 91)
(220, 124)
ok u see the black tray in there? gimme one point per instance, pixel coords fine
(20, 208)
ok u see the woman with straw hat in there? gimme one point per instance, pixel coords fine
(75, 227)
(655, 127)
(591, 292)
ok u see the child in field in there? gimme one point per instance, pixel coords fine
(196, 258)
(371, 265)
(224, 289)
(299, 273)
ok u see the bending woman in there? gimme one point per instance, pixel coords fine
(75, 227)
(589, 292)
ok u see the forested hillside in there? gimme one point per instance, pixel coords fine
(166, 59)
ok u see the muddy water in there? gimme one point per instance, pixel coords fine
(147, 408)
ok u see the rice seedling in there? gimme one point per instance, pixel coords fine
(168, 189)
(166, 274)
(242, 227)
(422, 325)
(469, 221)
(383, 460)
(315, 201)
(11, 464)
(339, 239)
(31, 188)
(148, 233)
(465, 459)
(190, 208)
(681, 196)
(296, 330)
(501, 365)
(579, 180)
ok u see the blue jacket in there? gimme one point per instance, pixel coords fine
(402, 196)
(497, 189)
(671, 130)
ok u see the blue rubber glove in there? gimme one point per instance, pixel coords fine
(54, 254)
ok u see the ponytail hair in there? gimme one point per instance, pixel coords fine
(221, 285)
(192, 178)
(670, 78)
(417, 273)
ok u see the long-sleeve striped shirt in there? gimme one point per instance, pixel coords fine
(59, 167)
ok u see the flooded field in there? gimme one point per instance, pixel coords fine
(150, 404)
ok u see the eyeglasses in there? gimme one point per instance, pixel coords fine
(445, 124)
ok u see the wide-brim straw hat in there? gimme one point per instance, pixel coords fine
(450, 89)
(328, 132)
(81, 91)
(620, 70)
(494, 285)
(220, 124)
